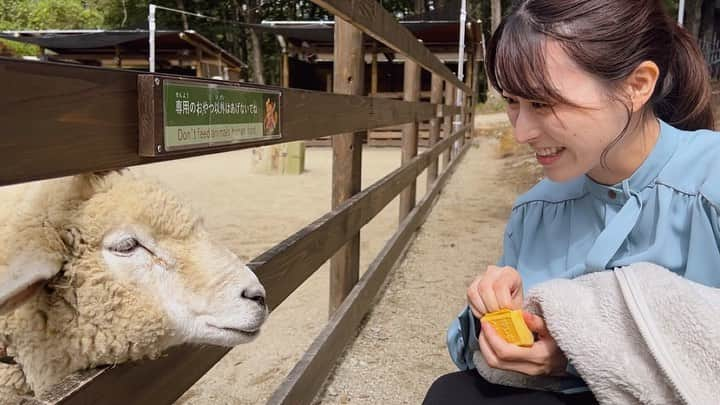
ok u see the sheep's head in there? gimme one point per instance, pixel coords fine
(123, 270)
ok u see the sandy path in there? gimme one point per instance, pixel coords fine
(401, 348)
(251, 213)
(403, 339)
(490, 121)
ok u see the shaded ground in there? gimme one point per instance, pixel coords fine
(404, 337)
(401, 348)
(251, 213)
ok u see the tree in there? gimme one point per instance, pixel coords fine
(693, 16)
(46, 14)
(251, 17)
(496, 10)
(707, 22)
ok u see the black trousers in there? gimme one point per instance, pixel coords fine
(467, 387)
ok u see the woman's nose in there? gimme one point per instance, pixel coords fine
(525, 128)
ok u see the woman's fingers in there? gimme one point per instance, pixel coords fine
(475, 301)
(503, 296)
(487, 293)
(493, 360)
(496, 289)
(544, 357)
(487, 352)
(535, 323)
(504, 351)
(505, 356)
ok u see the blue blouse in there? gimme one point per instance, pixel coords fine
(667, 212)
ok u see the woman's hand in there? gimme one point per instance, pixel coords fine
(499, 288)
(544, 357)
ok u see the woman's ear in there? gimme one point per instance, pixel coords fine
(640, 85)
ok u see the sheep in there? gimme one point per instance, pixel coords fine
(103, 269)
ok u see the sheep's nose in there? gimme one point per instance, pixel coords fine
(256, 294)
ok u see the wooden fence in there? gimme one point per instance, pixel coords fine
(62, 119)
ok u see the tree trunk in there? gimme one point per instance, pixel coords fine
(493, 97)
(181, 6)
(239, 39)
(707, 27)
(257, 62)
(496, 10)
(419, 6)
(257, 57)
(693, 15)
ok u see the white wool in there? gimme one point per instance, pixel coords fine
(126, 270)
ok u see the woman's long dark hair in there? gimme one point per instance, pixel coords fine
(609, 39)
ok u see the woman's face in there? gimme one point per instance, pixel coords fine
(569, 140)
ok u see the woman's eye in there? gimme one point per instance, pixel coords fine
(125, 246)
(539, 106)
(510, 100)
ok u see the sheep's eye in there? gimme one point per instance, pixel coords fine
(125, 246)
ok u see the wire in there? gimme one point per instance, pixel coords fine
(207, 17)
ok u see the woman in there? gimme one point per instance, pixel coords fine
(607, 93)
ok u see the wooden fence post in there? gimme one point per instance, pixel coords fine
(347, 157)
(436, 91)
(199, 72)
(468, 97)
(285, 69)
(448, 121)
(374, 73)
(284, 158)
(411, 92)
(476, 76)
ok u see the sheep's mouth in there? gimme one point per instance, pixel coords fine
(248, 333)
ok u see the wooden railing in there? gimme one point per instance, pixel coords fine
(61, 120)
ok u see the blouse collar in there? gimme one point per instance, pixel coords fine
(644, 175)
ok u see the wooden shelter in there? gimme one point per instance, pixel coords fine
(308, 62)
(177, 52)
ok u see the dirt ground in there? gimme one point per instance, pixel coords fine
(401, 348)
(251, 213)
(403, 339)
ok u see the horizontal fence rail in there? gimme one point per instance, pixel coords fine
(60, 119)
(281, 270)
(306, 379)
(375, 21)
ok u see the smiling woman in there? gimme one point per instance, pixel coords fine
(613, 97)
(571, 136)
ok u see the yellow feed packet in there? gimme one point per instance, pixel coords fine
(511, 326)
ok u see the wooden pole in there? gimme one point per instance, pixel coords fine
(329, 82)
(374, 74)
(199, 70)
(285, 69)
(436, 93)
(347, 157)
(467, 100)
(118, 58)
(411, 92)
(447, 121)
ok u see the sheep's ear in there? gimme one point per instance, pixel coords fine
(23, 277)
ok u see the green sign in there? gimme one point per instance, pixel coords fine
(201, 115)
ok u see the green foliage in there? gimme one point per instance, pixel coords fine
(44, 15)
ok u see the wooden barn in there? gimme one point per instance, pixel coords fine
(186, 53)
(308, 62)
